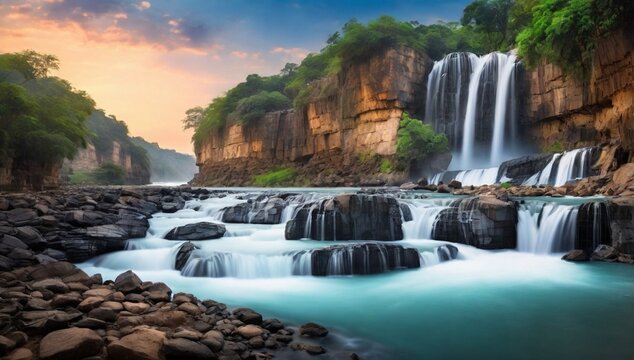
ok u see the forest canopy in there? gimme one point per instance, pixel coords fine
(563, 32)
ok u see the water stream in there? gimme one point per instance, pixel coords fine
(519, 304)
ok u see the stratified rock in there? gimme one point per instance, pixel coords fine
(70, 344)
(576, 255)
(263, 210)
(197, 231)
(484, 222)
(20, 216)
(31, 237)
(135, 224)
(313, 330)
(348, 217)
(622, 224)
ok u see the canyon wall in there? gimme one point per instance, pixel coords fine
(599, 111)
(89, 158)
(353, 114)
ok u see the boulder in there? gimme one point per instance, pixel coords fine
(135, 224)
(21, 216)
(455, 184)
(197, 231)
(248, 316)
(359, 259)
(348, 217)
(142, 344)
(70, 344)
(107, 232)
(312, 349)
(313, 330)
(624, 175)
(31, 237)
(484, 222)
(20, 354)
(250, 331)
(576, 255)
(53, 284)
(263, 210)
(621, 212)
(186, 349)
(605, 253)
(183, 254)
(128, 282)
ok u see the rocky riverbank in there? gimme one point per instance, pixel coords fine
(56, 311)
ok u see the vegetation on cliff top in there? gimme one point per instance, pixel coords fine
(563, 32)
(416, 142)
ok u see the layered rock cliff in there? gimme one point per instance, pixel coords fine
(597, 111)
(348, 117)
(89, 159)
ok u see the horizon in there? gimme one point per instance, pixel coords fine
(182, 55)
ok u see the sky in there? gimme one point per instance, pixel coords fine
(147, 62)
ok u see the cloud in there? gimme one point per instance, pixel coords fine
(296, 53)
(143, 5)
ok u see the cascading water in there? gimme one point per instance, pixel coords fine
(479, 117)
(546, 228)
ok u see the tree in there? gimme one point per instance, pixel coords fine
(193, 117)
(416, 141)
(489, 18)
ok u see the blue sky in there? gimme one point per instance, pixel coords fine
(147, 61)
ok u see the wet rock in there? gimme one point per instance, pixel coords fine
(31, 237)
(107, 232)
(484, 222)
(313, 330)
(250, 331)
(309, 348)
(576, 255)
(348, 217)
(443, 189)
(186, 349)
(455, 184)
(53, 284)
(135, 224)
(621, 212)
(605, 253)
(214, 340)
(361, 259)
(20, 354)
(248, 316)
(20, 216)
(197, 231)
(265, 210)
(183, 254)
(410, 186)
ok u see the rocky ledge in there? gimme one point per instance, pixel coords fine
(56, 311)
(76, 224)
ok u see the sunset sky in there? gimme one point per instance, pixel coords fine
(148, 61)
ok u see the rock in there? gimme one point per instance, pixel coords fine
(312, 330)
(90, 303)
(348, 217)
(272, 325)
(70, 344)
(135, 224)
(91, 323)
(20, 216)
(605, 253)
(263, 210)
(455, 184)
(136, 308)
(309, 348)
(624, 175)
(410, 186)
(54, 284)
(6, 345)
(621, 212)
(250, 331)
(186, 349)
(197, 231)
(142, 344)
(83, 218)
(183, 254)
(31, 237)
(248, 316)
(214, 340)
(20, 354)
(483, 221)
(576, 255)
(159, 292)
(107, 232)
(187, 334)
(128, 282)
(370, 258)
(443, 189)
(422, 182)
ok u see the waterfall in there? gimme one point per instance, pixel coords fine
(475, 177)
(563, 167)
(424, 218)
(546, 228)
(506, 82)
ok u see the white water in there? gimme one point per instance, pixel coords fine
(546, 228)
(458, 110)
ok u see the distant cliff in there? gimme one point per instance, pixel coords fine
(167, 165)
(349, 123)
(109, 143)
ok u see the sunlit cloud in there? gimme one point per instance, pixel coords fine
(296, 53)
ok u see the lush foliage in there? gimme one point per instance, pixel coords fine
(506, 185)
(42, 118)
(255, 106)
(565, 32)
(277, 177)
(106, 174)
(416, 141)
(386, 166)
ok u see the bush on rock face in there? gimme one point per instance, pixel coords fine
(417, 141)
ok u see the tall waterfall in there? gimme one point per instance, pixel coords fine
(479, 118)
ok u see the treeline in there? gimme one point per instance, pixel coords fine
(563, 32)
(44, 120)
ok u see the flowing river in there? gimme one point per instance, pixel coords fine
(510, 304)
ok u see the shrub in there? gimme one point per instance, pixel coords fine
(106, 174)
(276, 177)
(416, 141)
(506, 185)
(254, 107)
(386, 166)
(555, 147)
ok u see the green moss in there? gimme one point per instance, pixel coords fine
(506, 185)
(386, 166)
(555, 147)
(276, 177)
(106, 174)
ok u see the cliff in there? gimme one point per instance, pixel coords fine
(598, 111)
(348, 117)
(167, 165)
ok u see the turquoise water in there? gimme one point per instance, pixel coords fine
(486, 305)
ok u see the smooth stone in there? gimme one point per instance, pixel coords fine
(70, 344)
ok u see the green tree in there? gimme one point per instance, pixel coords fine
(489, 19)
(416, 141)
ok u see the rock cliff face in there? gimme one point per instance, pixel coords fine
(598, 111)
(89, 159)
(356, 112)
